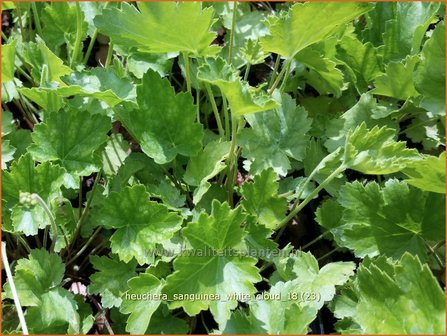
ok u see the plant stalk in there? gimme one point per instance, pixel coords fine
(187, 71)
(233, 26)
(78, 41)
(14, 290)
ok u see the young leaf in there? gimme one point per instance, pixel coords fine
(214, 266)
(367, 221)
(430, 73)
(397, 82)
(140, 223)
(161, 27)
(71, 138)
(427, 174)
(302, 25)
(243, 98)
(37, 280)
(261, 199)
(44, 179)
(141, 310)
(8, 57)
(409, 300)
(275, 136)
(164, 124)
(375, 151)
(206, 165)
(110, 280)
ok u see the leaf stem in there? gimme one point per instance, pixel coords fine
(84, 247)
(90, 46)
(215, 110)
(109, 55)
(247, 71)
(86, 208)
(313, 241)
(226, 116)
(36, 19)
(52, 220)
(24, 243)
(309, 197)
(275, 70)
(280, 76)
(328, 254)
(232, 159)
(187, 71)
(78, 41)
(233, 26)
(14, 290)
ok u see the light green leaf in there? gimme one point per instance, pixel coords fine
(405, 31)
(375, 151)
(60, 25)
(397, 82)
(140, 223)
(275, 137)
(243, 98)
(46, 98)
(115, 153)
(427, 174)
(308, 23)
(161, 27)
(407, 301)
(361, 58)
(7, 153)
(71, 138)
(44, 61)
(140, 310)
(206, 165)
(214, 266)
(322, 73)
(429, 77)
(44, 179)
(8, 57)
(165, 122)
(367, 222)
(362, 112)
(261, 199)
(110, 280)
(292, 313)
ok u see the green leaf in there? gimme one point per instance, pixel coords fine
(140, 223)
(363, 111)
(115, 153)
(275, 137)
(405, 31)
(43, 61)
(8, 57)
(59, 25)
(161, 27)
(361, 58)
(7, 153)
(367, 222)
(110, 280)
(139, 308)
(165, 122)
(36, 275)
(261, 199)
(206, 165)
(214, 266)
(430, 73)
(374, 151)
(397, 82)
(303, 25)
(163, 322)
(71, 138)
(292, 312)
(408, 301)
(44, 179)
(427, 174)
(322, 73)
(243, 98)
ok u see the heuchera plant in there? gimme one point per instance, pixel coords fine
(249, 168)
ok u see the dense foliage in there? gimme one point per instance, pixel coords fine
(223, 167)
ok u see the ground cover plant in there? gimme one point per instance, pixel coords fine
(249, 168)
